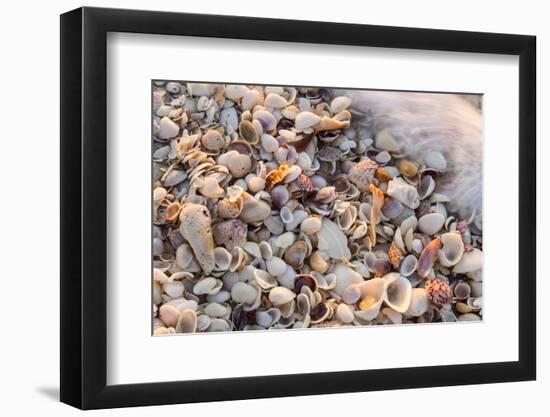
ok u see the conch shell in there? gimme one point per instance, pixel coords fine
(196, 229)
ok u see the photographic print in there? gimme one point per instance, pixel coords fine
(292, 207)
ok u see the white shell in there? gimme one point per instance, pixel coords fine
(398, 292)
(311, 225)
(280, 296)
(243, 293)
(332, 240)
(275, 101)
(344, 313)
(408, 265)
(339, 104)
(419, 303)
(345, 276)
(471, 261)
(269, 143)
(275, 266)
(167, 128)
(375, 288)
(452, 249)
(404, 193)
(305, 120)
(431, 223)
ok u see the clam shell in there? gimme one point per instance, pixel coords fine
(254, 210)
(373, 290)
(248, 132)
(213, 140)
(305, 120)
(332, 240)
(275, 101)
(264, 280)
(187, 323)
(266, 119)
(230, 233)
(452, 250)
(428, 257)
(167, 128)
(431, 223)
(398, 292)
(244, 293)
(404, 193)
(471, 261)
(419, 303)
(208, 286)
(280, 296)
(339, 104)
(408, 265)
(275, 266)
(345, 276)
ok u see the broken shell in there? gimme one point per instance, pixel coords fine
(428, 257)
(210, 188)
(280, 296)
(254, 183)
(196, 229)
(230, 233)
(362, 174)
(471, 261)
(332, 240)
(419, 303)
(222, 259)
(213, 140)
(345, 276)
(254, 210)
(384, 140)
(167, 128)
(248, 132)
(229, 210)
(318, 263)
(452, 250)
(403, 192)
(438, 291)
(276, 176)
(305, 120)
(398, 292)
(431, 223)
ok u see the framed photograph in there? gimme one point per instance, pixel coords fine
(292, 208)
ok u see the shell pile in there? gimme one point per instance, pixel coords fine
(279, 207)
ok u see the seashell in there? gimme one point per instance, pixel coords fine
(230, 233)
(383, 174)
(419, 303)
(248, 132)
(384, 141)
(328, 154)
(469, 317)
(339, 104)
(408, 266)
(213, 140)
(269, 143)
(462, 290)
(169, 315)
(332, 241)
(253, 249)
(216, 310)
(326, 195)
(377, 203)
(320, 313)
(239, 260)
(243, 293)
(195, 227)
(305, 280)
(203, 322)
(250, 99)
(254, 183)
(431, 223)
(373, 293)
(471, 261)
(407, 168)
(296, 254)
(174, 177)
(239, 165)
(391, 208)
(167, 128)
(305, 120)
(254, 210)
(345, 276)
(398, 292)
(318, 263)
(279, 196)
(381, 267)
(395, 255)
(222, 258)
(235, 92)
(428, 257)
(452, 250)
(403, 192)
(327, 123)
(266, 119)
(280, 296)
(275, 266)
(297, 217)
(427, 187)
(275, 101)
(293, 173)
(264, 280)
(435, 160)
(187, 322)
(274, 224)
(229, 120)
(276, 176)
(208, 285)
(351, 294)
(304, 184)
(286, 215)
(438, 292)
(344, 313)
(210, 188)
(362, 174)
(285, 240)
(383, 157)
(219, 325)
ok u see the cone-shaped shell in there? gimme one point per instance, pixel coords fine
(453, 249)
(373, 291)
(398, 292)
(196, 229)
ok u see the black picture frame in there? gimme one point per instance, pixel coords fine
(84, 207)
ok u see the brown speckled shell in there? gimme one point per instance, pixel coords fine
(395, 255)
(438, 292)
(362, 174)
(276, 176)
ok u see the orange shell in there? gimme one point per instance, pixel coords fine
(395, 255)
(276, 176)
